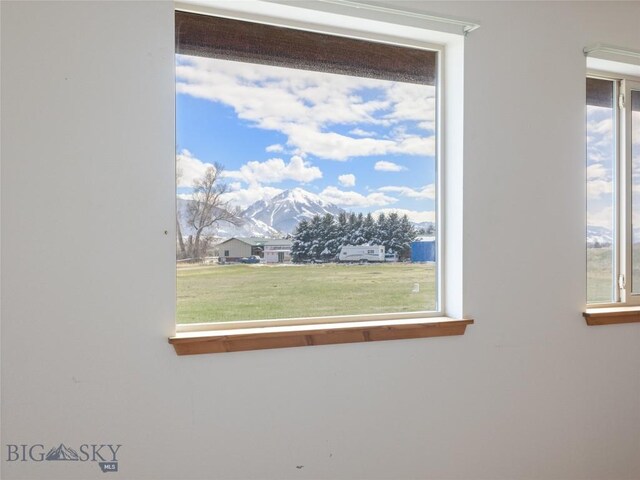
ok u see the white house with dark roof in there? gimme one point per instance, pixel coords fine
(277, 251)
(236, 248)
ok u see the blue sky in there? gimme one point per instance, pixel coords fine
(600, 163)
(600, 167)
(363, 144)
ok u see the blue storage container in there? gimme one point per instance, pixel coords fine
(423, 250)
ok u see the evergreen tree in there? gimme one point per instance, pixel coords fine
(358, 236)
(316, 244)
(392, 231)
(301, 242)
(369, 229)
(381, 230)
(407, 233)
(322, 237)
(342, 229)
(353, 228)
(328, 236)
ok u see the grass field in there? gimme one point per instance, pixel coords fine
(223, 293)
(600, 277)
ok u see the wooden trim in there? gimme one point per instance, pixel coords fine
(220, 341)
(610, 316)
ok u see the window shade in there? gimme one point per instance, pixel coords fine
(599, 92)
(216, 37)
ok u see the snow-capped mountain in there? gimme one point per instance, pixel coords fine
(249, 228)
(428, 227)
(284, 211)
(598, 236)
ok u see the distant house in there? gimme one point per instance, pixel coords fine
(236, 248)
(277, 251)
(423, 249)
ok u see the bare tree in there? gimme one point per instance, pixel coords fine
(208, 207)
(183, 250)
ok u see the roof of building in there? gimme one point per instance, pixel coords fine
(253, 241)
(425, 239)
(280, 241)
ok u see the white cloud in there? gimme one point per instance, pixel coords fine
(428, 191)
(335, 146)
(413, 102)
(354, 199)
(358, 132)
(384, 166)
(304, 105)
(276, 147)
(275, 170)
(600, 218)
(347, 180)
(189, 168)
(599, 181)
(601, 127)
(414, 216)
(596, 171)
(598, 188)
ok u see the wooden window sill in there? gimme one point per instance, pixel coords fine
(610, 316)
(218, 341)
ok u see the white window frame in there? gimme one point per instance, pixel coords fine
(622, 191)
(381, 34)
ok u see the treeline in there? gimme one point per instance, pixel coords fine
(322, 237)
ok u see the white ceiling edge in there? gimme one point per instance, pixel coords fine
(332, 17)
(620, 68)
(386, 13)
(609, 58)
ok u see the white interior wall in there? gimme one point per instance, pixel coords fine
(88, 290)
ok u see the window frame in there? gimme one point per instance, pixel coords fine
(439, 178)
(622, 192)
(351, 20)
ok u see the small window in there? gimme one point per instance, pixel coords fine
(613, 190)
(312, 160)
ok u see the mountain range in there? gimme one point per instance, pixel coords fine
(284, 211)
(604, 237)
(275, 217)
(279, 216)
(598, 236)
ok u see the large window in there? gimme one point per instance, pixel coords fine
(613, 190)
(308, 179)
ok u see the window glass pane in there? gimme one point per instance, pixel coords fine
(635, 204)
(601, 156)
(302, 193)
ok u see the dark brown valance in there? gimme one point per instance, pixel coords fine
(215, 37)
(600, 92)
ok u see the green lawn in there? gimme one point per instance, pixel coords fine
(600, 280)
(599, 275)
(222, 293)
